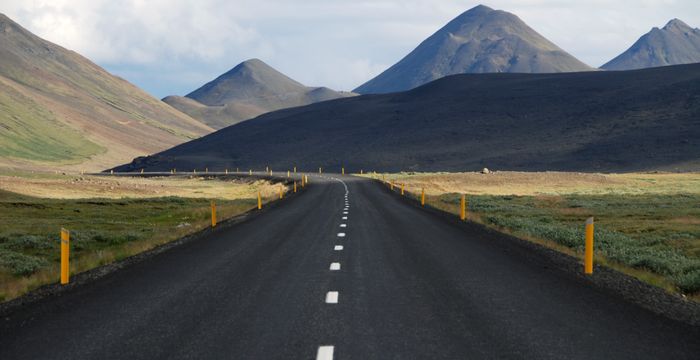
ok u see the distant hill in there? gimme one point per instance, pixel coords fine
(481, 40)
(676, 43)
(587, 121)
(248, 90)
(59, 109)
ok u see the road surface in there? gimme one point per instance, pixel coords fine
(320, 277)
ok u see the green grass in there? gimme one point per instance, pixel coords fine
(101, 231)
(29, 131)
(656, 233)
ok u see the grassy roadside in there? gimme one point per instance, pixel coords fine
(105, 230)
(647, 225)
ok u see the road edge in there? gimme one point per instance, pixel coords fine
(87, 277)
(605, 279)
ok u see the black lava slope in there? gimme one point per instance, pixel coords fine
(588, 121)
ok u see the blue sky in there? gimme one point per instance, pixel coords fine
(173, 47)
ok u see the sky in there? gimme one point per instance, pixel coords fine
(172, 47)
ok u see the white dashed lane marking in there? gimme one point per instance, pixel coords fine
(343, 225)
(325, 353)
(341, 234)
(345, 218)
(332, 297)
(338, 247)
(335, 266)
(345, 212)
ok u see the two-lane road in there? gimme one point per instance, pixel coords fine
(344, 271)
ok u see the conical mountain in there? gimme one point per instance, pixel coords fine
(248, 90)
(480, 40)
(58, 108)
(674, 44)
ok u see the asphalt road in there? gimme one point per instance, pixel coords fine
(410, 285)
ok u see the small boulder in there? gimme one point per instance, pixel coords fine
(485, 171)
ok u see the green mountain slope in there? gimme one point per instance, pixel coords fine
(59, 108)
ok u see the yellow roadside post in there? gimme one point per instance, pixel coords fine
(206, 170)
(402, 188)
(194, 171)
(391, 185)
(250, 172)
(463, 205)
(319, 170)
(65, 256)
(295, 169)
(588, 261)
(342, 171)
(281, 193)
(213, 213)
(141, 171)
(422, 196)
(295, 186)
(361, 171)
(259, 201)
(267, 169)
(287, 174)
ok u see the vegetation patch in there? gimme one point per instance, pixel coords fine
(102, 230)
(645, 222)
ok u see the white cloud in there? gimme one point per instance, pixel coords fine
(175, 46)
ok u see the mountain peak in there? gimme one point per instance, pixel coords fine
(252, 66)
(677, 24)
(674, 44)
(254, 63)
(479, 40)
(479, 8)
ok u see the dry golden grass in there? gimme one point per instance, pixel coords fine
(76, 186)
(546, 183)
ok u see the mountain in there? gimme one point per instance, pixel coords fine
(59, 109)
(480, 40)
(246, 91)
(588, 121)
(676, 43)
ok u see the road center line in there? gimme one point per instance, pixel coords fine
(338, 247)
(343, 225)
(335, 266)
(341, 234)
(325, 353)
(332, 297)
(344, 218)
(345, 212)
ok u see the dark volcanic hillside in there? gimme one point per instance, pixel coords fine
(481, 40)
(589, 121)
(249, 89)
(674, 44)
